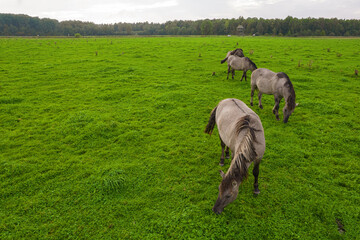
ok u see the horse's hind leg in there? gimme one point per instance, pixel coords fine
(228, 71)
(253, 87)
(256, 175)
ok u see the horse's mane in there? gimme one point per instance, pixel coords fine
(246, 150)
(291, 99)
(252, 63)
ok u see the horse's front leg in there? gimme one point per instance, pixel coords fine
(256, 175)
(260, 96)
(276, 107)
(222, 158)
(227, 153)
(233, 73)
(244, 74)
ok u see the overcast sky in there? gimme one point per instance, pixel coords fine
(160, 11)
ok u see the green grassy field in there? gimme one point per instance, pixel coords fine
(102, 138)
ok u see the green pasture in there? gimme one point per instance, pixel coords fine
(103, 138)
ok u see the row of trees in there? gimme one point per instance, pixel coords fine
(23, 25)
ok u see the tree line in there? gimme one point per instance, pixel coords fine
(23, 25)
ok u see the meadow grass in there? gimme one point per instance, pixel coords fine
(102, 138)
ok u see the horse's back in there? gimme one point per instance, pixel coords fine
(236, 62)
(262, 73)
(264, 79)
(228, 113)
(232, 107)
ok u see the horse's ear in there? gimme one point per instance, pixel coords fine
(222, 173)
(297, 104)
(234, 183)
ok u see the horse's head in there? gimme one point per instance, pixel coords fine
(289, 99)
(287, 111)
(238, 52)
(228, 191)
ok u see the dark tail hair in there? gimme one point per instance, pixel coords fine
(211, 124)
(224, 60)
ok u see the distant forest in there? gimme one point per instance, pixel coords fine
(23, 25)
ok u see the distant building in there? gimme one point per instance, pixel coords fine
(240, 30)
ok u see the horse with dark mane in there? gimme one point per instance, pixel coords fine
(240, 63)
(277, 84)
(240, 129)
(237, 52)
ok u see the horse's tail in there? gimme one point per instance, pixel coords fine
(211, 124)
(246, 151)
(224, 60)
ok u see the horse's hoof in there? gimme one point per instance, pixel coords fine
(261, 107)
(227, 157)
(251, 104)
(221, 164)
(256, 192)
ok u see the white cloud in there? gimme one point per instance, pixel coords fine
(131, 6)
(241, 4)
(112, 11)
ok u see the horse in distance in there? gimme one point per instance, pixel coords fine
(277, 84)
(240, 63)
(241, 130)
(237, 52)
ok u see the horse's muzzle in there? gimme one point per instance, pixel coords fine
(286, 119)
(217, 210)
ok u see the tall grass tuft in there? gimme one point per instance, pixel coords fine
(114, 181)
(310, 64)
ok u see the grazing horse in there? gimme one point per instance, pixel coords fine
(277, 84)
(237, 52)
(240, 129)
(240, 63)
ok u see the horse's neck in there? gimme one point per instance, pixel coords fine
(286, 94)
